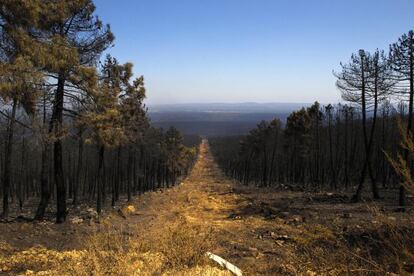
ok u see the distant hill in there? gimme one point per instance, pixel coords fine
(218, 119)
(229, 107)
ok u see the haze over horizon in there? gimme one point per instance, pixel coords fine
(194, 51)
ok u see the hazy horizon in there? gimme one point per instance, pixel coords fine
(228, 107)
(229, 102)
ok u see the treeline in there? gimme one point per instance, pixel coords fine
(336, 146)
(319, 147)
(75, 127)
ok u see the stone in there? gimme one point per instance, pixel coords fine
(76, 220)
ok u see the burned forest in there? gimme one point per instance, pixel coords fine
(206, 137)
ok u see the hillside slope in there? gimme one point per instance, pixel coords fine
(260, 231)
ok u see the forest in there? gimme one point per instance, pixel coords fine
(359, 145)
(95, 182)
(75, 126)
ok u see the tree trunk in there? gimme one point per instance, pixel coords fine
(331, 162)
(44, 184)
(44, 174)
(357, 196)
(129, 171)
(274, 150)
(264, 176)
(100, 179)
(61, 211)
(371, 138)
(78, 170)
(7, 160)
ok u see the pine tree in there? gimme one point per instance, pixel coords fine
(359, 82)
(76, 38)
(20, 80)
(402, 62)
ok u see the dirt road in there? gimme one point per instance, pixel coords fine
(244, 229)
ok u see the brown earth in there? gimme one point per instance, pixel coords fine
(262, 231)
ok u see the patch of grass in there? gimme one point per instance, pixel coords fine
(185, 246)
(109, 251)
(315, 235)
(379, 248)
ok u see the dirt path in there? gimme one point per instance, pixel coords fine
(243, 232)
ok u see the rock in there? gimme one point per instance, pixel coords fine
(285, 214)
(280, 243)
(89, 214)
(127, 210)
(282, 237)
(392, 218)
(259, 255)
(76, 220)
(130, 209)
(92, 212)
(235, 217)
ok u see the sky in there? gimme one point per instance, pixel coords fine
(203, 51)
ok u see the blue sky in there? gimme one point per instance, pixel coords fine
(248, 50)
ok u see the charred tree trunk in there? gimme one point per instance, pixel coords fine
(61, 211)
(358, 194)
(44, 173)
(78, 169)
(100, 179)
(7, 160)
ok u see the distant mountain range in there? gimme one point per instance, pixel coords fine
(218, 119)
(249, 107)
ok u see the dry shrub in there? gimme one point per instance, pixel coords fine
(113, 251)
(205, 270)
(185, 246)
(105, 248)
(387, 246)
(41, 259)
(379, 248)
(5, 249)
(107, 252)
(315, 235)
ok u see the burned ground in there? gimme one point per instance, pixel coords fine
(262, 231)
